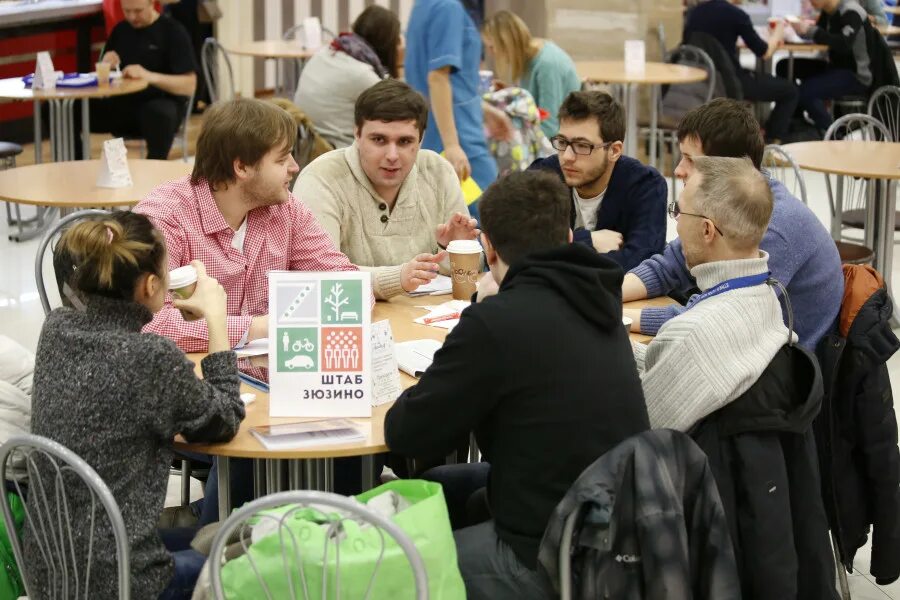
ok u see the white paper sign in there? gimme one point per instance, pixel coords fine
(114, 172)
(312, 33)
(44, 74)
(320, 357)
(635, 56)
(385, 374)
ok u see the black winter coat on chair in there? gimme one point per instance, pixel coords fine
(762, 454)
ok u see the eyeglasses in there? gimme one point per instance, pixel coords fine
(675, 212)
(581, 148)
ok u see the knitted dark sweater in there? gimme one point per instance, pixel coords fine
(117, 398)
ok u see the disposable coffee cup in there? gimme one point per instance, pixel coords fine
(183, 281)
(465, 267)
(102, 69)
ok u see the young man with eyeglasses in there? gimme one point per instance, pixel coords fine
(618, 204)
(802, 255)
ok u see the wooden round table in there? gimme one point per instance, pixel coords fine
(307, 466)
(654, 74)
(72, 184)
(867, 160)
(62, 100)
(276, 50)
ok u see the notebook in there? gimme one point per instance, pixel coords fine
(415, 357)
(436, 287)
(307, 433)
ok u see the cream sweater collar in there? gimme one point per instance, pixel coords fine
(351, 155)
(713, 273)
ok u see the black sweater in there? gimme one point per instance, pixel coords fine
(543, 373)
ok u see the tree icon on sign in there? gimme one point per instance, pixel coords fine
(336, 300)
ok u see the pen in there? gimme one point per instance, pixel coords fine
(448, 317)
(253, 382)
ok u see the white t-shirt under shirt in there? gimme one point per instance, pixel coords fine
(586, 210)
(237, 242)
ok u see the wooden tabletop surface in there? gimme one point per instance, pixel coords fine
(400, 311)
(271, 49)
(871, 160)
(72, 184)
(14, 88)
(613, 71)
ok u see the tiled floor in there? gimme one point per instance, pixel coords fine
(21, 318)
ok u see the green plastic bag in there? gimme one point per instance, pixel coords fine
(11, 586)
(426, 522)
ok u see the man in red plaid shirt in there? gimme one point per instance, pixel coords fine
(236, 214)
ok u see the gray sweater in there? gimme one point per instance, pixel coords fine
(117, 398)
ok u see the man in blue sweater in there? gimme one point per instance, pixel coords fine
(618, 204)
(802, 255)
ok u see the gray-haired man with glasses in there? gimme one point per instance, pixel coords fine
(618, 204)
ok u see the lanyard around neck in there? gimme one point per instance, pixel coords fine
(729, 285)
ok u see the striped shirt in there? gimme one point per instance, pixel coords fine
(281, 237)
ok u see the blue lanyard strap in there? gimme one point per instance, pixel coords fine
(729, 285)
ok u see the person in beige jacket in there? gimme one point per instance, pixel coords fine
(389, 206)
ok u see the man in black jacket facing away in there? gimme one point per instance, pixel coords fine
(618, 204)
(542, 373)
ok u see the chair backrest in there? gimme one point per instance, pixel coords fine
(294, 32)
(853, 193)
(778, 163)
(219, 81)
(238, 523)
(728, 84)
(54, 472)
(52, 234)
(678, 100)
(183, 130)
(884, 105)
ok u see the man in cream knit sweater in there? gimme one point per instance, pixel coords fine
(709, 355)
(390, 207)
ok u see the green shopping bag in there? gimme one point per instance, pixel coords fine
(10, 580)
(426, 522)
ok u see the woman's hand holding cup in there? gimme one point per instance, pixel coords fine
(203, 298)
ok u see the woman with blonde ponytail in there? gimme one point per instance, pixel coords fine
(118, 397)
(537, 65)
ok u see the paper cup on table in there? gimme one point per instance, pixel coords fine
(183, 281)
(102, 69)
(465, 266)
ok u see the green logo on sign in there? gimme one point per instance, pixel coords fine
(297, 350)
(342, 302)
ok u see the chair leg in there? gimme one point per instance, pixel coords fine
(841, 571)
(185, 481)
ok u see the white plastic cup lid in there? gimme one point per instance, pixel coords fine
(182, 277)
(464, 247)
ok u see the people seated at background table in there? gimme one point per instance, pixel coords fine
(537, 65)
(117, 397)
(443, 57)
(237, 214)
(848, 69)
(539, 369)
(389, 206)
(618, 204)
(802, 255)
(727, 22)
(16, 377)
(336, 75)
(156, 48)
(714, 350)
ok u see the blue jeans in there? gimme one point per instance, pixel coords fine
(241, 477)
(819, 82)
(188, 563)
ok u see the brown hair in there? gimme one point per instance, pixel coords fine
(525, 212)
(106, 255)
(579, 106)
(735, 195)
(724, 127)
(391, 100)
(243, 129)
(512, 45)
(380, 27)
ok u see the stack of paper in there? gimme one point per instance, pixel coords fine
(447, 308)
(415, 356)
(438, 286)
(258, 347)
(308, 433)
